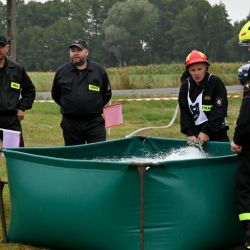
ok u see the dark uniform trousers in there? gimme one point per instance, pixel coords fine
(243, 180)
(81, 131)
(11, 122)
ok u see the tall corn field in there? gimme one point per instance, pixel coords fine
(150, 76)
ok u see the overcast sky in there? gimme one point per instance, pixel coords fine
(236, 9)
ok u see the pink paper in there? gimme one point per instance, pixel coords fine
(113, 115)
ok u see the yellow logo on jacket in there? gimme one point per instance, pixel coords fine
(207, 108)
(15, 85)
(94, 88)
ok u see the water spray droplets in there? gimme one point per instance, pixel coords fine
(184, 153)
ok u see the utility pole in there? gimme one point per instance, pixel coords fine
(11, 28)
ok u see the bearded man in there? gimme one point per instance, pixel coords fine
(82, 88)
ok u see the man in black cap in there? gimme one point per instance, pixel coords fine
(82, 88)
(17, 91)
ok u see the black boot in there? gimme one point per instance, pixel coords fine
(247, 239)
(247, 235)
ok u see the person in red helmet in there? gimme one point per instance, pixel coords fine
(203, 102)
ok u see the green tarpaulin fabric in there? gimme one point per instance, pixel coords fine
(74, 198)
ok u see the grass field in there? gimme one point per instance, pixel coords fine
(41, 127)
(150, 76)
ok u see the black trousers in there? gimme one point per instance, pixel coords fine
(82, 131)
(11, 122)
(242, 187)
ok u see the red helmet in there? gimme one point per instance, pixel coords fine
(196, 57)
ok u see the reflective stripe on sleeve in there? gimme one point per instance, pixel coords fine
(245, 216)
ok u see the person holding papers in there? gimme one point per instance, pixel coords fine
(17, 92)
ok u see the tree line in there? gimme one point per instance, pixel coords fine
(125, 32)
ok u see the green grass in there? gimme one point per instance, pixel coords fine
(42, 80)
(41, 127)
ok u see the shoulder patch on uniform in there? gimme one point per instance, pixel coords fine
(218, 102)
(247, 87)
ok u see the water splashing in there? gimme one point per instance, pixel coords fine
(184, 153)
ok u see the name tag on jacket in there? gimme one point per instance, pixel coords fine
(15, 85)
(94, 88)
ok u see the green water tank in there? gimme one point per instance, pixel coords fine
(76, 198)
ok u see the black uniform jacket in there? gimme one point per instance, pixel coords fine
(16, 88)
(81, 94)
(242, 129)
(214, 94)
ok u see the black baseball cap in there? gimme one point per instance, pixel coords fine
(3, 40)
(79, 43)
